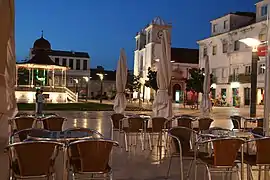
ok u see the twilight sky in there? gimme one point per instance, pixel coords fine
(102, 27)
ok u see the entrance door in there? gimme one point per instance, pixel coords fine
(235, 97)
(246, 96)
(177, 93)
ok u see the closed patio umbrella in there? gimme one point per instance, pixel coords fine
(120, 101)
(206, 103)
(162, 105)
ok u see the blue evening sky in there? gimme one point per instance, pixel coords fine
(102, 27)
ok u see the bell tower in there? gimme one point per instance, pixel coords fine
(154, 33)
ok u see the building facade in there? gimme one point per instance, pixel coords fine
(230, 60)
(147, 53)
(78, 74)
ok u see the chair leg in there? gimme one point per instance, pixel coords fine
(142, 140)
(150, 143)
(189, 169)
(126, 141)
(169, 168)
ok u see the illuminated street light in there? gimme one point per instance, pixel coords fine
(101, 77)
(253, 43)
(87, 87)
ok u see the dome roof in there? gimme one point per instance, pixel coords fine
(42, 43)
(158, 21)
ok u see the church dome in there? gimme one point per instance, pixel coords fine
(42, 43)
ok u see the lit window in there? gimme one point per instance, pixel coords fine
(262, 69)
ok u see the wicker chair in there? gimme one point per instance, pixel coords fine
(117, 123)
(53, 123)
(26, 157)
(236, 120)
(92, 159)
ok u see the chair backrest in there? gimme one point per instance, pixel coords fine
(24, 122)
(158, 124)
(263, 149)
(53, 123)
(205, 123)
(224, 156)
(236, 120)
(23, 134)
(260, 122)
(185, 122)
(182, 134)
(257, 132)
(116, 118)
(135, 124)
(94, 155)
(34, 158)
(91, 132)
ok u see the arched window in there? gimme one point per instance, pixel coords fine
(149, 37)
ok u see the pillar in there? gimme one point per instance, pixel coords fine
(32, 76)
(253, 84)
(53, 78)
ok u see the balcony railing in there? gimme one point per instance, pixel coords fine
(241, 78)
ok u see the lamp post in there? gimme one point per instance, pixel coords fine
(76, 85)
(101, 77)
(87, 87)
(253, 43)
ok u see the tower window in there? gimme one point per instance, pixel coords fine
(264, 10)
(84, 64)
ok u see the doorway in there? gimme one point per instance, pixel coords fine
(178, 94)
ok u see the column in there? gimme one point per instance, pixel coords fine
(65, 78)
(253, 84)
(16, 78)
(62, 78)
(32, 81)
(29, 77)
(53, 78)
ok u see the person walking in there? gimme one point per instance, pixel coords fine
(40, 101)
(36, 95)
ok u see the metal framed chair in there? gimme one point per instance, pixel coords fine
(261, 158)
(53, 123)
(22, 122)
(23, 134)
(92, 159)
(25, 162)
(157, 128)
(183, 148)
(222, 159)
(117, 123)
(136, 125)
(236, 120)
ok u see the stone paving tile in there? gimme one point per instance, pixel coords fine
(136, 164)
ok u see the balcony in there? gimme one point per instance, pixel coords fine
(241, 78)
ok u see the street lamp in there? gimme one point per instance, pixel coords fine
(87, 89)
(76, 85)
(253, 43)
(101, 77)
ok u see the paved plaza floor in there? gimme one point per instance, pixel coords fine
(136, 164)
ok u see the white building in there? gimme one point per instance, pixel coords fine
(148, 48)
(230, 60)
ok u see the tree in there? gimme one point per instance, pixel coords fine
(152, 79)
(133, 83)
(195, 82)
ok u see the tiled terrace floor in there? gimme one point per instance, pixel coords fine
(136, 164)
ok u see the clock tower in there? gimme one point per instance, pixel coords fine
(148, 50)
